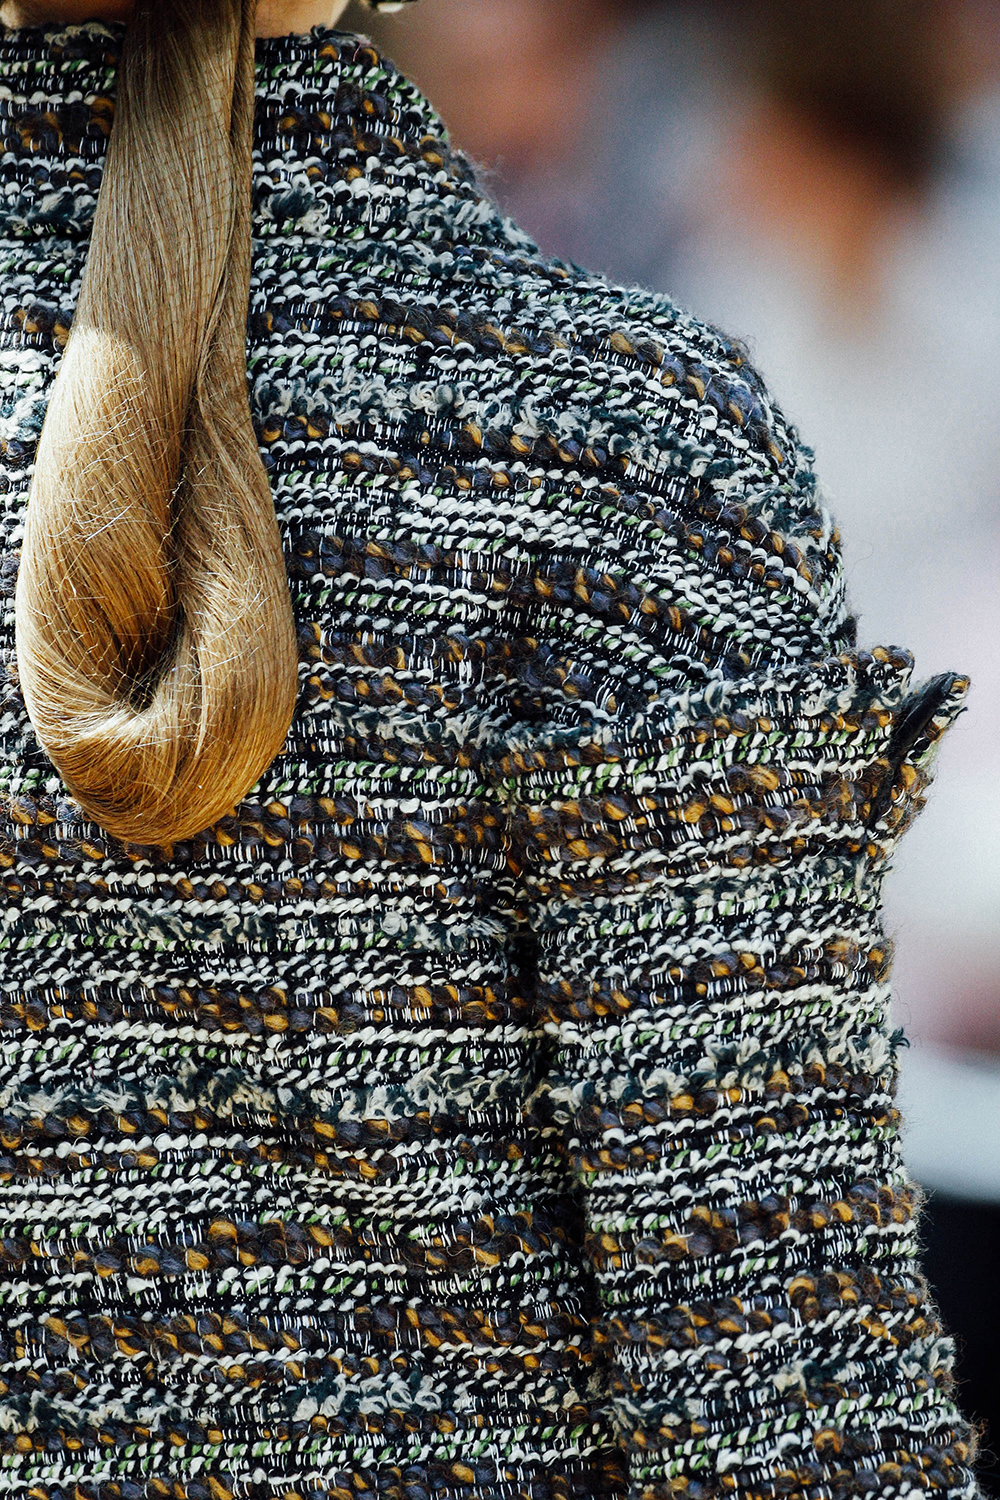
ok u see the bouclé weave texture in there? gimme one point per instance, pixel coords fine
(499, 1104)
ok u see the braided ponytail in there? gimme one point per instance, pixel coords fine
(155, 640)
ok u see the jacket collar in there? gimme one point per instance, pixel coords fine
(341, 135)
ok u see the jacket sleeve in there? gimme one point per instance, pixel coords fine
(700, 866)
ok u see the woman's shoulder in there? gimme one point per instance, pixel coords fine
(662, 377)
(635, 406)
(594, 416)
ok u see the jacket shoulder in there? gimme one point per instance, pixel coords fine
(659, 423)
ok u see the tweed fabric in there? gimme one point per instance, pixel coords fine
(500, 1103)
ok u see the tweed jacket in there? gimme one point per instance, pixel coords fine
(499, 1104)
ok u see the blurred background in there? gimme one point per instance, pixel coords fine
(822, 179)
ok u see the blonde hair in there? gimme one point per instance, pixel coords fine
(155, 641)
